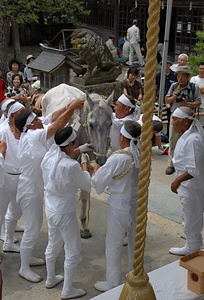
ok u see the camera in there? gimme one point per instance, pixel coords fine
(180, 97)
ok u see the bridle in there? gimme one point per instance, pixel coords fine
(89, 137)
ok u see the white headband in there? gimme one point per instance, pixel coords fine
(178, 113)
(14, 108)
(195, 124)
(29, 120)
(124, 132)
(71, 138)
(134, 148)
(124, 100)
(5, 103)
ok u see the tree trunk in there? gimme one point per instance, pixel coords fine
(15, 40)
(4, 38)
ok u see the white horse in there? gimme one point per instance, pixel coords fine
(92, 124)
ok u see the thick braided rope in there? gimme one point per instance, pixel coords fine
(137, 286)
(89, 196)
(122, 151)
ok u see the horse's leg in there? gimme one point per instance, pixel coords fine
(84, 214)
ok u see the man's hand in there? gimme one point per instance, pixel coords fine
(84, 158)
(77, 103)
(85, 148)
(3, 147)
(175, 185)
(95, 168)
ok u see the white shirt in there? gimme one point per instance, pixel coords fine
(1, 170)
(62, 177)
(32, 147)
(115, 130)
(188, 156)
(110, 45)
(11, 160)
(123, 191)
(174, 67)
(200, 83)
(133, 34)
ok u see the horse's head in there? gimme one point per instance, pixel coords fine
(99, 120)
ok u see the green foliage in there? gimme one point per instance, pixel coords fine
(195, 59)
(23, 11)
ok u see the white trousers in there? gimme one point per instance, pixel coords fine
(32, 209)
(192, 205)
(135, 48)
(120, 222)
(8, 199)
(63, 229)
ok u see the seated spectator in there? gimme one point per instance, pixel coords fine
(14, 67)
(17, 92)
(111, 46)
(28, 73)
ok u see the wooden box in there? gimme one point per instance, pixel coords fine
(194, 263)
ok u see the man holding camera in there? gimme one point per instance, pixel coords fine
(181, 93)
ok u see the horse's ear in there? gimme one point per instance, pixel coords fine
(90, 101)
(110, 98)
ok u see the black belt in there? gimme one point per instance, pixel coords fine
(13, 173)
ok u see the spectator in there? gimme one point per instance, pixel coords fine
(182, 61)
(189, 165)
(111, 47)
(199, 81)
(131, 86)
(14, 67)
(2, 88)
(28, 73)
(169, 79)
(181, 93)
(17, 92)
(133, 36)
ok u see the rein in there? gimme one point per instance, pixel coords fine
(121, 151)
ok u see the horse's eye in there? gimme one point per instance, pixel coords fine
(91, 125)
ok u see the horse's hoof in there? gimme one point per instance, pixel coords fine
(85, 233)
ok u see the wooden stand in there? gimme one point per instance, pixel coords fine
(194, 263)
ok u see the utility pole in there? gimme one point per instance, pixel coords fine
(164, 56)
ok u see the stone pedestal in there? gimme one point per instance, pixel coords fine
(104, 89)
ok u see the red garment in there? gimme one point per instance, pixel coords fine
(2, 89)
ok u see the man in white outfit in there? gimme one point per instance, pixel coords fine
(120, 174)
(11, 135)
(133, 36)
(34, 142)
(125, 109)
(2, 156)
(63, 177)
(199, 81)
(189, 165)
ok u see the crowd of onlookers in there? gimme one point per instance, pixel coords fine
(21, 84)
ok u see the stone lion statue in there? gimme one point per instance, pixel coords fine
(101, 65)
